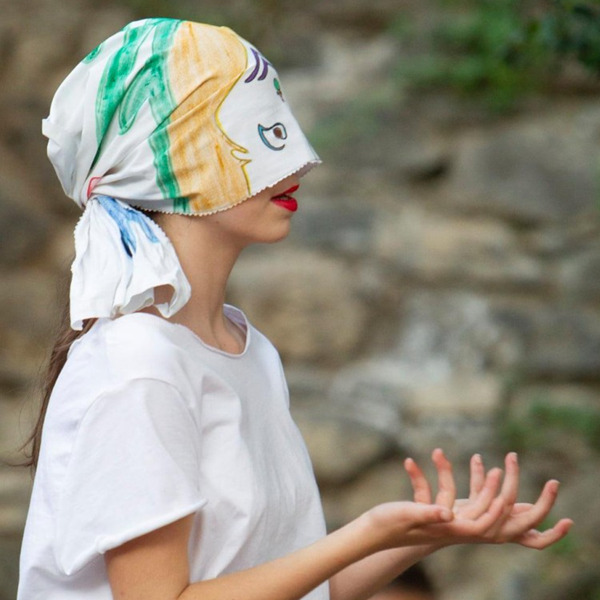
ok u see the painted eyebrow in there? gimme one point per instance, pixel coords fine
(258, 59)
(265, 69)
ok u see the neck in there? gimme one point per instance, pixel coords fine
(207, 262)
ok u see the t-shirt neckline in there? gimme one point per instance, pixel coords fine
(237, 318)
(232, 313)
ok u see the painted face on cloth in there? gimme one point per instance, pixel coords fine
(268, 132)
(169, 116)
(174, 116)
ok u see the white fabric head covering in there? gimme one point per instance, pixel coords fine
(171, 116)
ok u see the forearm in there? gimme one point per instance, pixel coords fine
(155, 567)
(363, 578)
(290, 577)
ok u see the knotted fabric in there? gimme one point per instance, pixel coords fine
(168, 116)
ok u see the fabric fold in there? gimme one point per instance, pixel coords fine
(121, 256)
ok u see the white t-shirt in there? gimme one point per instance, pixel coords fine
(147, 424)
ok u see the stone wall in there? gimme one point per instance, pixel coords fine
(441, 285)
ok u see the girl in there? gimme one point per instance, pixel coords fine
(169, 467)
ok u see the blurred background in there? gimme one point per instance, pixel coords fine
(441, 285)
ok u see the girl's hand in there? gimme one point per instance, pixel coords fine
(493, 514)
(438, 523)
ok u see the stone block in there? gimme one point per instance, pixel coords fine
(558, 341)
(341, 449)
(437, 248)
(532, 171)
(422, 407)
(446, 332)
(24, 234)
(334, 224)
(383, 482)
(308, 304)
(30, 301)
(579, 273)
(9, 566)
(17, 413)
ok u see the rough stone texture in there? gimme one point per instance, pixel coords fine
(310, 305)
(452, 331)
(339, 225)
(532, 171)
(14, 499)
(559, 341)
(342, 450)
(9, 572)
(439, 288)
(23, 229)
(579, 274)
(384, 482)
(440, 248)
(30, 302)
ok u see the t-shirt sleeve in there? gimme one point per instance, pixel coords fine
(133, 469)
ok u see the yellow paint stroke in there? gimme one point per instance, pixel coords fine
(204, 64)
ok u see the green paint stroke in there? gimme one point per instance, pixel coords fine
(117, 96)
(92, 55)
(181, 205)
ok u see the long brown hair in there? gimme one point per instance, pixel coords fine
(58, 357)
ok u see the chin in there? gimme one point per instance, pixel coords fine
(278, 238)
(275, 235)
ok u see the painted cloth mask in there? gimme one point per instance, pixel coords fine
(168, 116)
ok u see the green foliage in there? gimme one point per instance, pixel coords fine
(501, 50)
(573, 29)
(541, 424)
(487, 52)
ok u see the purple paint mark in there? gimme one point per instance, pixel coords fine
(265, 69)
(255, 71)
(258, 59)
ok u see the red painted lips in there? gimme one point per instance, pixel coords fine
(285, 200)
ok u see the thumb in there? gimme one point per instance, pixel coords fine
(425, 514)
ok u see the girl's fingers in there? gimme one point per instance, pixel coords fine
(524, 518)
(446, 487)
(421, 489)
(510, 487)
(527, 519)
(509, 491)
(428, 514)
(542, 539)
(491, 513)
(476, 528)
(521, 507)
(477, 476)
(482, 501)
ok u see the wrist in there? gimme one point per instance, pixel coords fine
(368, 539)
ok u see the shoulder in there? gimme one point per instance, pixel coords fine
(254, 338)
(139, 346)
(141, 331)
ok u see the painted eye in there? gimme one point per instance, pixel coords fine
(273, 137)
